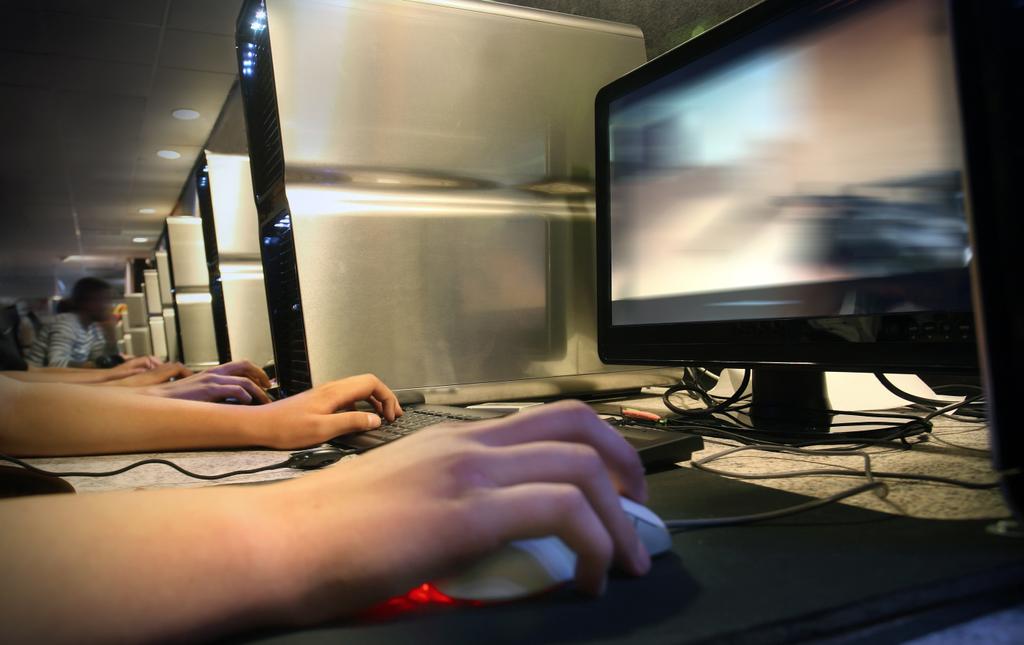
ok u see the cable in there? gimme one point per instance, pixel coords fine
(718, 419)
(684, 525)
(703, 394)
(110, 473)
(701, 464)
(973, 415)
(907, 396)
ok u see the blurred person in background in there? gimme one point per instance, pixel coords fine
(80, 336)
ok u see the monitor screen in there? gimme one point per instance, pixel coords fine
(809, 169)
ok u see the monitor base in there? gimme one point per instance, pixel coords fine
(793, 406)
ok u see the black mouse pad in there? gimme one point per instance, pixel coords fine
(831, 570)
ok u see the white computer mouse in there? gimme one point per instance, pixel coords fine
(526, 567)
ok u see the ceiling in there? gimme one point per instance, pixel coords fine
(87, 88)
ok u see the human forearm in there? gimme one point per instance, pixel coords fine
(193, 564)
(60, 419)
(59, 375)
(131, 567)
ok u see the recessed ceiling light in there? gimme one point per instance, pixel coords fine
(140, 240)
(168, 154)
(147, 211)
(184, 114)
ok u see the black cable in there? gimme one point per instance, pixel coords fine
(747, 435)
(709, 422)
(703, 394)
(906, 396)
(110, 473)
(920, 400)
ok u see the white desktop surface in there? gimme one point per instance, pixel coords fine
(918, 499)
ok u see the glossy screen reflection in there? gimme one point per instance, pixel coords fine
(816, 176)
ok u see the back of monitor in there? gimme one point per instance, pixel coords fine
(427, 211)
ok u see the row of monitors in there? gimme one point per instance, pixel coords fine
(437, 222)
(204, 301)
(428, 214)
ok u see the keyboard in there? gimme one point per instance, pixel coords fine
(656, 447)
(416, 417)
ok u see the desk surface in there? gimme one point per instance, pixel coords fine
(922, 500)
(833, 570)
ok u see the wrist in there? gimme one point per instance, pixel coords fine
(243, 426)
(269, 555)
(306, 549)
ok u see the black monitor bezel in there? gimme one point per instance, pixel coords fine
(763, 343)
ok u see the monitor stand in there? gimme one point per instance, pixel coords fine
(791, 401)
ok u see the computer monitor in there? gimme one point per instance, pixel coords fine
(205, 203)
(430, 225)
(786, 191)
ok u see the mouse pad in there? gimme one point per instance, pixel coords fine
(828, 570)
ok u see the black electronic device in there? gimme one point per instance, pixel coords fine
(656, 448)
(205, 203)
(785, 193)
(989, 38)
(315, 458)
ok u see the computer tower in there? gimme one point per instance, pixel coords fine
(423, 173)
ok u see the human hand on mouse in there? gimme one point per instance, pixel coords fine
(324, 412)
(424, 506)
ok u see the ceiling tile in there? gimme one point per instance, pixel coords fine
(42, 226)
(150, 12)
(22, 30)
(102, 119)
(202, 52)
(103, 39)
(100, 76)
(204, 92)
(202, 15)
(32, 70)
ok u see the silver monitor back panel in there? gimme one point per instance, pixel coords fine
(163, 272)
(192, 291)
(238, 256)
(171, 333)
(137, 341)
(151, 289)
(135, 304)
(158, 336)
(433, 202)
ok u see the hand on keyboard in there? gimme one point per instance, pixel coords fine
(313, 417)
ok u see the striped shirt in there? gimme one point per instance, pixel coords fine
(66, 342)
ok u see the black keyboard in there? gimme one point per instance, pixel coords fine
(656, 447)
(416, 417)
